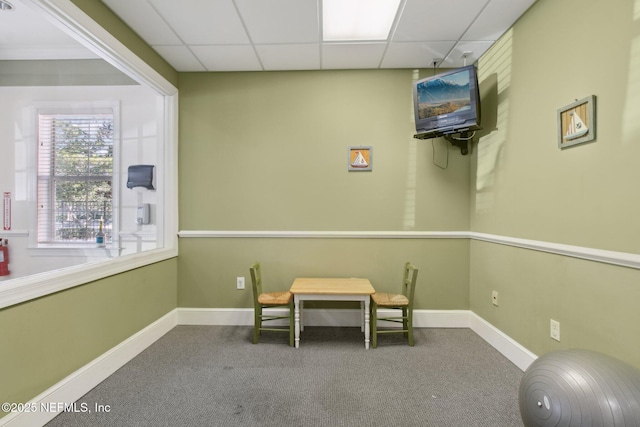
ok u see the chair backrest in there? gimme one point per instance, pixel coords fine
(256, 281)
(409, 282)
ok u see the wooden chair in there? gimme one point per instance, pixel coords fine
(403, 302)
(263, 300)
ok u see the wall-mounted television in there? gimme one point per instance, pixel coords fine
(447, 103)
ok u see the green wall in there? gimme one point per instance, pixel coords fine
(524, 186)
(209, 267)
(46, 339)
(268, 151)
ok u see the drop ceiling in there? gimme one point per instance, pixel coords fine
(266, 35)
(25, 34)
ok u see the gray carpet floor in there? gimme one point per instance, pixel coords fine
(215, 376)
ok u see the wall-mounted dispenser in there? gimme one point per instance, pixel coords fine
(140, 176)
(143, 215)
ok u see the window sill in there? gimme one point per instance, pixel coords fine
(16, 291)
(89, 251)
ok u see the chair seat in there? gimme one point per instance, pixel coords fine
(389, 300)
(394, 303)
(275, 298)
(270, 299)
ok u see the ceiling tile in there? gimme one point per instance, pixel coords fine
(415, 55)
(142, 17)
(240, 35)
(201, 22)
(227, 58)
(352, 55)
(280, 21)
(436, 20)
(496, 18)
(180, 58)
(289, 56)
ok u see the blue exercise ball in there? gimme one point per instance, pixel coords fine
(580, 388)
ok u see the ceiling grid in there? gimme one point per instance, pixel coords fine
(269, 35)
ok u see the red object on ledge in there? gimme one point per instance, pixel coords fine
(4, 257)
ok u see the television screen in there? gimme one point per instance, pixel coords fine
(447, 103)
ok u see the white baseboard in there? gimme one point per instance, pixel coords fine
(52, 401)
(217, 316)
(76, 385)
(512, 350)
(318, 317)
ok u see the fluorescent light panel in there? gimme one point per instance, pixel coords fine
(357, 20)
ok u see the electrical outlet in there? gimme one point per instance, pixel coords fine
(240, 282)
(555, 330)
(494, 298)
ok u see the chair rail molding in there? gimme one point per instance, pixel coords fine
(621, 259)
(325, 234)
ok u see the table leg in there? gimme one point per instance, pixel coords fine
(302, 315)
(296, 300)
(361, 316)
(366, 323)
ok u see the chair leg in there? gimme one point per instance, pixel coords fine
(291, 323)
(405, 322)
(410, 327)
(257, 323)
(374, 324)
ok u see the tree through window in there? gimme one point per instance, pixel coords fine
(75, 175)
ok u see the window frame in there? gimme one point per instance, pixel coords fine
(82, 28)
(74, 248)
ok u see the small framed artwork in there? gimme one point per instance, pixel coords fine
(360, 158)
(577, 122)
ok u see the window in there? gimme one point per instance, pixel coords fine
(75, 177)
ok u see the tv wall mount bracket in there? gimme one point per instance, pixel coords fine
(461, 140)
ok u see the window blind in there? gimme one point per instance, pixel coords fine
(75, 173)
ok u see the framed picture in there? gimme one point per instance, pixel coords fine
(360, 158)
(577, 122)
